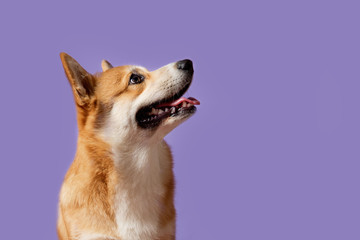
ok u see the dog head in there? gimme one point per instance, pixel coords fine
(130, 103)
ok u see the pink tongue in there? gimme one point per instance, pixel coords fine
(191, 100)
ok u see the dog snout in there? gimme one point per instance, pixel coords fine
(185, 65)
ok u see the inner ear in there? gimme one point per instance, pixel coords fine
(82, 82)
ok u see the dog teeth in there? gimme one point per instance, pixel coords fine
(155, 111)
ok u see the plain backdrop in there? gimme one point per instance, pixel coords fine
(271, 154)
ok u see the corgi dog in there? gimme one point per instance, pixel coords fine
(120, 185)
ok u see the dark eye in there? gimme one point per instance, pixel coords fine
(136, 79)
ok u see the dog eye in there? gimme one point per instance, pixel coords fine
(136, 79)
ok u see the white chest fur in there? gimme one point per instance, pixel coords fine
(138, 194)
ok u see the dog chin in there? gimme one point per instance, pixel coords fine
(171, 123)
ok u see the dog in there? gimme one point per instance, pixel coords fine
(121, 182)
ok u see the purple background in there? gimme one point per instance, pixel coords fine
(273, 151)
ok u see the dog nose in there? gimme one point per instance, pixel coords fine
(185, 65)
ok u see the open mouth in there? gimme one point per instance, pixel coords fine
(152, 115)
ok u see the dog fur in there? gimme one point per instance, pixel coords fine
(121, 183)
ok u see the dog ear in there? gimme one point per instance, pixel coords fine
(105, 65)
(82, 82)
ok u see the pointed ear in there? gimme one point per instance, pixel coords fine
(82, 82)
(105, 65)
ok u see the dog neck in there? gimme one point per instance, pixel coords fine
(137, 176)
(138, 161)
(141, 170)
(132, 160)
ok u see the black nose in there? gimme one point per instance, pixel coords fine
(185, 65)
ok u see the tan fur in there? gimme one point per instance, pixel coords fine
(87, 207)
(105, 65)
